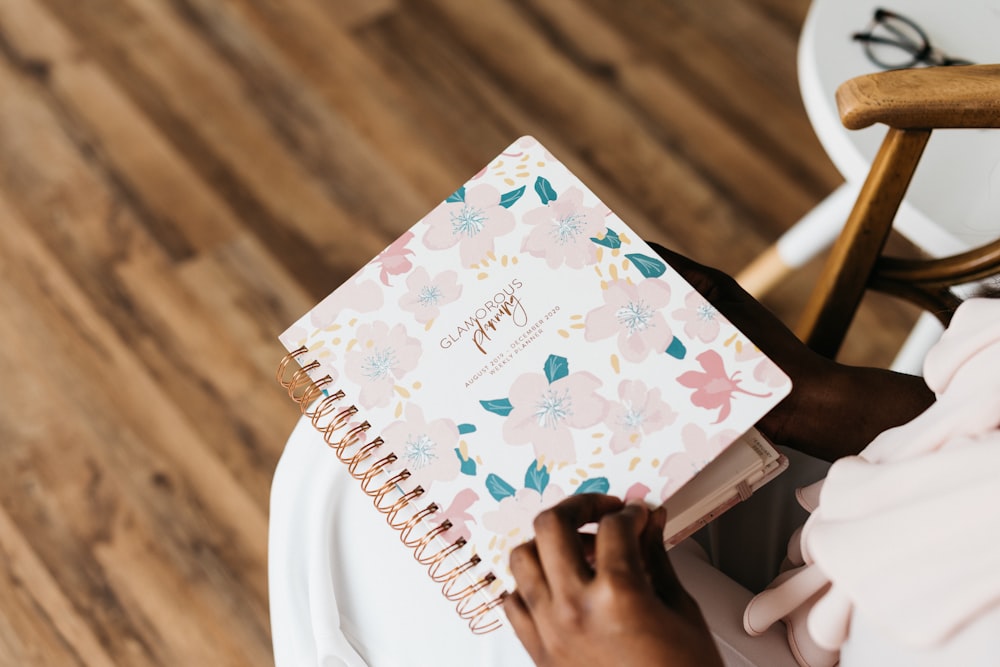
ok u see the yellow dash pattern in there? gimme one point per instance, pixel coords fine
(613, 270)
(503, 261)
(353, 321)
(615, 364)
(483, 275)
(633, 463)
(417, 385)
(582, 473)
(399, 410)
(509, 181)
(576, 317)
(655, 463)
(730, 339)
(352, 343)
(563, 333)
(402, 391)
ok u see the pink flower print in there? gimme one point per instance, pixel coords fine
(639, 413)
(380, 357)
(473, 223)
(633, 313)
(701, 319)
(544, 414)
(426, 295)
(514, 515)
(393, 259)
(458, 513)
(714, 389)
(294, 337)
(563, 229)
(699, 450)
(767, 372)
(637, 491)
(358, 296)
(426, 449)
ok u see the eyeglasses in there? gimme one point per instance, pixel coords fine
(895, 42)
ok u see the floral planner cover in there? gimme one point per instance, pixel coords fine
(520, 344)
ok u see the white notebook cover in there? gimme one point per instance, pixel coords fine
(521, 343)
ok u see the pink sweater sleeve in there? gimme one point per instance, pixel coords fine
(907, 531)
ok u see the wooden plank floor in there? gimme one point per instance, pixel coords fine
(181, 179)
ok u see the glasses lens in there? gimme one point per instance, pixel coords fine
(895, 43)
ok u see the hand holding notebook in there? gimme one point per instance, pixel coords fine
(518, 345)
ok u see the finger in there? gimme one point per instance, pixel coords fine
(528, 575)
(560, 549)
(618, 541)
(661, 571)
(524, 626)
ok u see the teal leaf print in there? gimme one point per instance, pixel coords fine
(498, 406)
(556, 368)
(498, 488)
(610, 240)
(648, 266)
(593, 485)
(464, 429)
(468, 465)
(507, 200)
(536, 477)
(457, 196)
(676, 348)
(545, 191)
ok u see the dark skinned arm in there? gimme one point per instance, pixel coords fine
(834, 410)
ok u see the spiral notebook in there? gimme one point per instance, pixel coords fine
(517, 345)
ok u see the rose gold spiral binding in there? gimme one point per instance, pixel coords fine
(360, 456)
(406, 527)
(470, 594)
(441, 556)
(300, 381)
(283, 364)
(324, 407)
(452, 574)
(404, 500)
(421, 546)
(373, 472)
(337, 423)
(481, 624)
(350, 439)
(328, 417)
(386, 488)
(312, 392)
